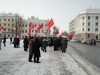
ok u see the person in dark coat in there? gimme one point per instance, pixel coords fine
(4, 41)
(44, 44)
(26, 42)
(55, 44)
(64, 43)
(36, 50)
(14, 42)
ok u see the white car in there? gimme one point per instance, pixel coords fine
(73, 40)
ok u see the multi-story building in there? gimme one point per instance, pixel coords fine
(86, 25)
(36, 21)
(11, 23)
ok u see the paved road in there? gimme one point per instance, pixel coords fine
(92, 53)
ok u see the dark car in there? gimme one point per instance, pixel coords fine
(93, 42)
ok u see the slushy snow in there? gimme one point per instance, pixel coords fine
(14, 61)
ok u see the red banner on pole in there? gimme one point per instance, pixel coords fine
(1, 27)
(50, 23)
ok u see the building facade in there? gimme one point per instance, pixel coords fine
(86, 25)
(11, 23)
(36, 21)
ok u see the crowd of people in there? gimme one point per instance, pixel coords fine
(33, 45)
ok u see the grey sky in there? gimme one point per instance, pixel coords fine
(62, 11)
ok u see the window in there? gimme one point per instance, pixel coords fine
(83, 18)
(4, 24)
(88, 17)
(32, 30)
(26, 25)
(88, 29)
(96, 17)
(88, 23)
(42, 31)
(8, 24)
(4, 19)
(22, 31)
(96, 29)
(83, 24)
(12, 25)
(8, 29)
(96, 23)
(83, 29)
(12, 19)
(23, 25)
(25, 31)
(5, 29)
(88, 35)
(8, 19)
(0, 19)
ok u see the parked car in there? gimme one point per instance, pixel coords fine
(73, 40)
(93, 42)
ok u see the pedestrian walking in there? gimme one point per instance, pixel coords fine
(26, 42)
(64, 44)
(44, 44)
(4, 40)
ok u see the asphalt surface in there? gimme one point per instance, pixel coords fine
(90, 52)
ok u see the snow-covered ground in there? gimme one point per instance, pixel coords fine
(14, 61)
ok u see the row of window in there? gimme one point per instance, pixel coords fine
(89, 24)
(96, 29)
(89, 18)
(7, 19)
(28, 25)
(26, 31)
(8, 24)
(9, 29)
(9, 35)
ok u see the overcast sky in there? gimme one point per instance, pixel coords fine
(62, 11)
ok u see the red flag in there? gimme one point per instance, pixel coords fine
(1, 27)
(19, 31)
(70, 36)
(50, 23)
(57, 31)
(40, 27)
(32, 26)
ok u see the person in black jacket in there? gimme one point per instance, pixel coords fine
(14, 42)
(4, 41)
(36, 50)
(26, 42)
